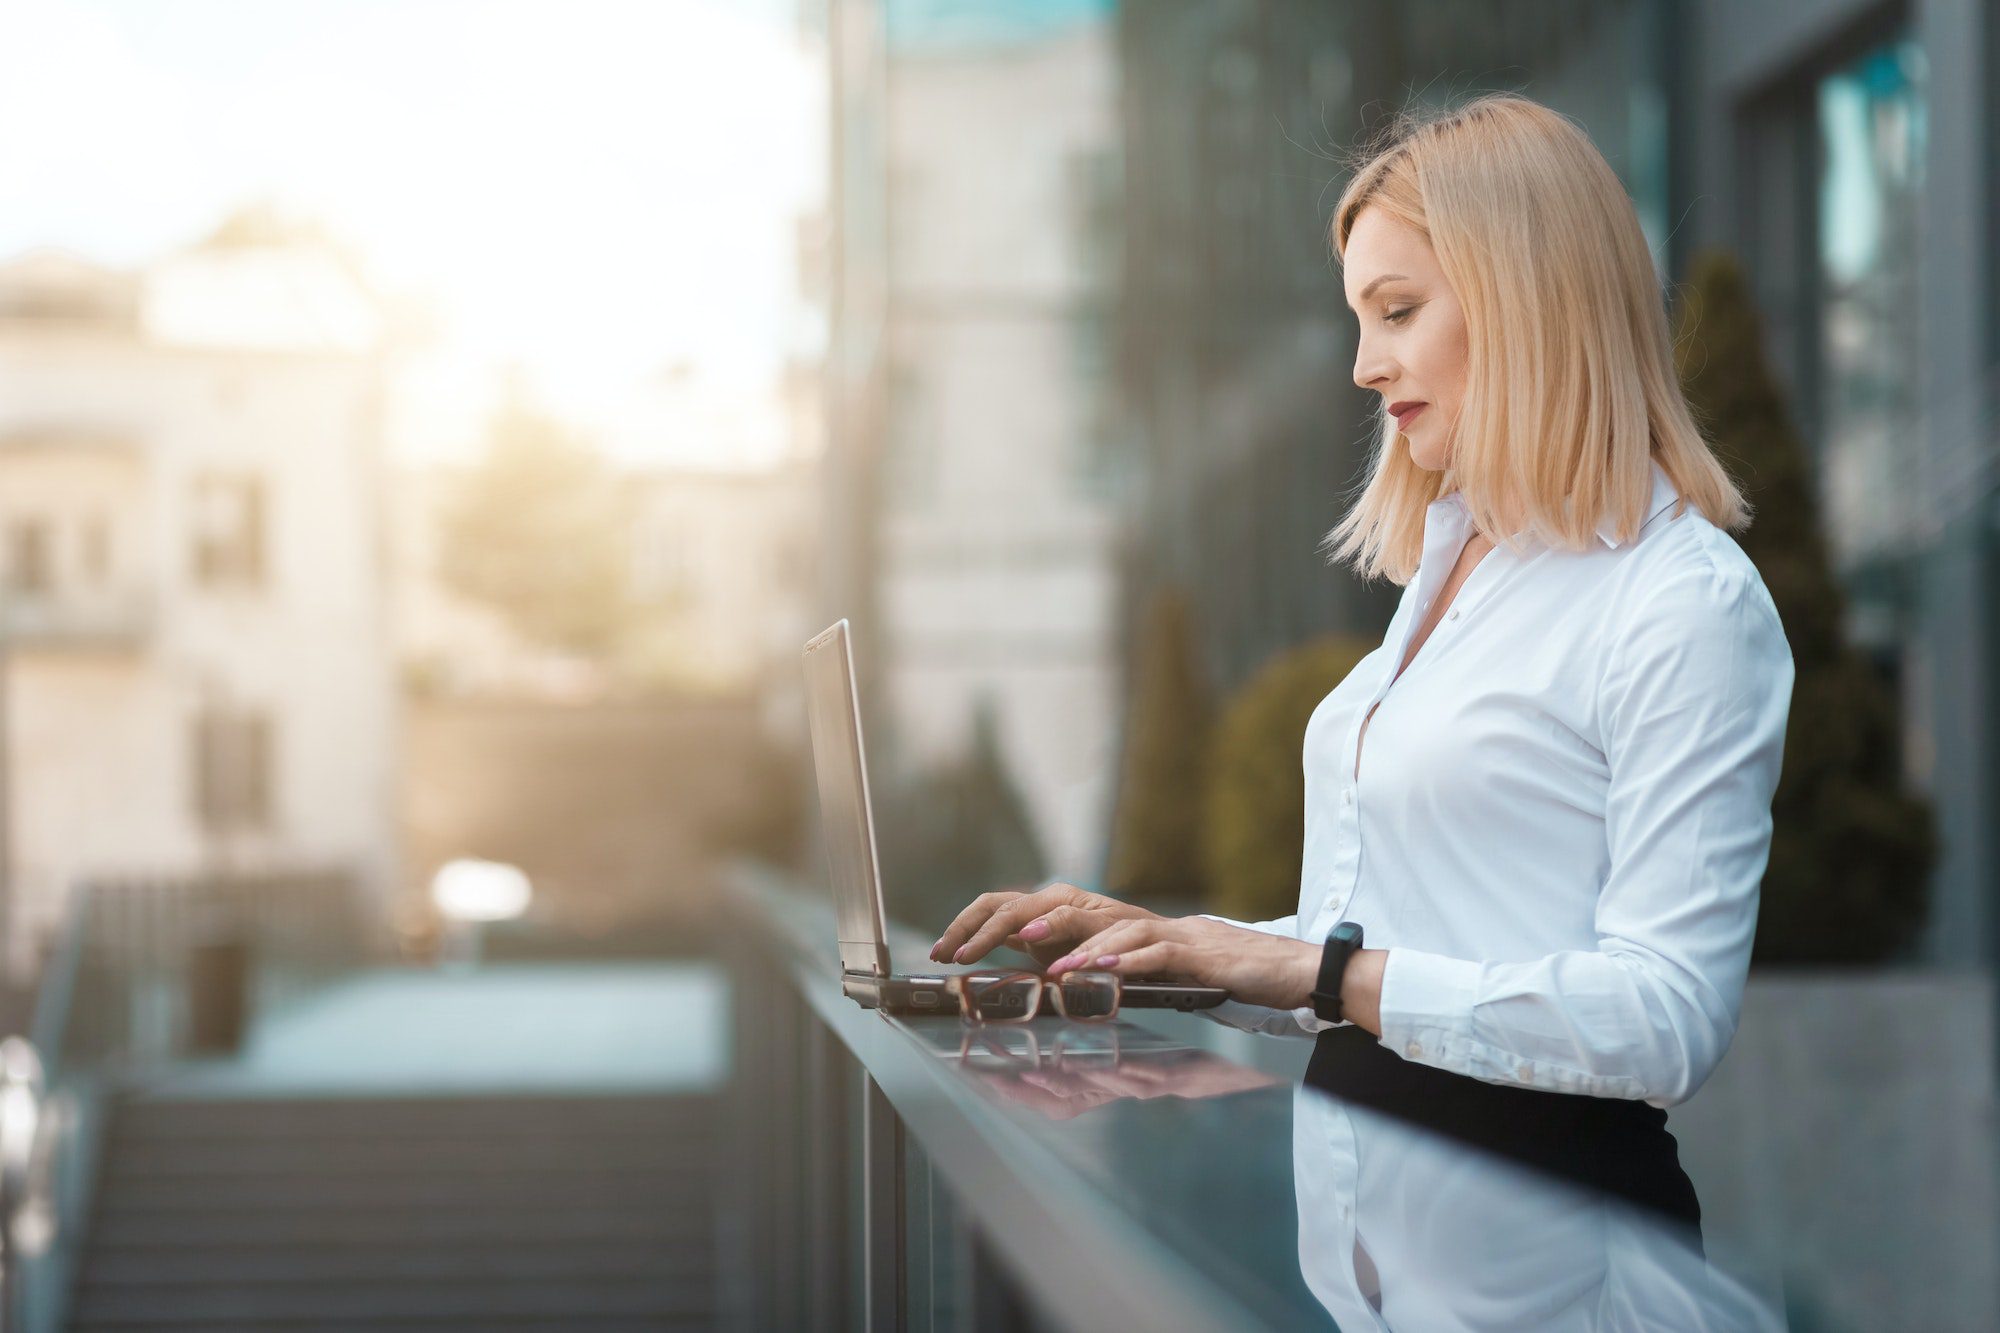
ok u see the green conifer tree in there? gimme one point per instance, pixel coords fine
(1851, 850)
(540, 532)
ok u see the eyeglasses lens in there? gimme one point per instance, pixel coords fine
(1009, 999)
(1089, 996)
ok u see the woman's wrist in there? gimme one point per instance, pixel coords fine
(1361, 989)
(1305, 974)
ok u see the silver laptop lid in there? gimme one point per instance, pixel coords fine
(834, 710)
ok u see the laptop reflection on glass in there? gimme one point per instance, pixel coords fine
(834, 710)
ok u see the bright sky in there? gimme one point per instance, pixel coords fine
(594, 188)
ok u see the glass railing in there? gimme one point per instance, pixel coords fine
(922, 1173)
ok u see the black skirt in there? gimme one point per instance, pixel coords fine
(1619, 1147)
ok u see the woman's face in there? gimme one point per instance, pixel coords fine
(1412, 347)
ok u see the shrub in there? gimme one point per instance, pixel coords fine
(1254, 817)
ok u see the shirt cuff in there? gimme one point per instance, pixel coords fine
(1427, 1002)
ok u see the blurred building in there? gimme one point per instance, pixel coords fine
(721, 571)
(977, 463)
(194, 649)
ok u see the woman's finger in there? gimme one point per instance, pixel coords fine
(973, 915)
(1065, 926)
(1162, 958)
(1120, 936)
(1004, 920)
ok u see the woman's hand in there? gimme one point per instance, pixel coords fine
(1045, 924)
(1254, 967)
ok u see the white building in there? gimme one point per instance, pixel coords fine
(996, 556)
(193, 639)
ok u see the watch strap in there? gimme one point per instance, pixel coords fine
(1341, 943)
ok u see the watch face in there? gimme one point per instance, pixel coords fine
(1347, 932)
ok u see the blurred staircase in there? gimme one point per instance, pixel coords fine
(505, 1212)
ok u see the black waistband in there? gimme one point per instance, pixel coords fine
(1610, 1144)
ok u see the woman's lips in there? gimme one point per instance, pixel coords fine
(1404, 417)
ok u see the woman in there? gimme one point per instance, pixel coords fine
(1546, 796)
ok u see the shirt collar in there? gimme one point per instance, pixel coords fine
(1664, 494)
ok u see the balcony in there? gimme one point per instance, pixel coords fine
(72, 620)
(669, 1144)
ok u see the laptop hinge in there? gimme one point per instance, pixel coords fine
(863, 988)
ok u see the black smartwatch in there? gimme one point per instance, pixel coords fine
(1340, 946)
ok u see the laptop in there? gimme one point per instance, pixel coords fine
(834, 711)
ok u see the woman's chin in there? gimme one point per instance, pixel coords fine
(1425, 457)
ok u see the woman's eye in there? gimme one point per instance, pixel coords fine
(1398, 316)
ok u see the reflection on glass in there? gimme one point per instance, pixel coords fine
(1397, 1226)
(1871, 116)
(1060, 1072)
(1404, 1229)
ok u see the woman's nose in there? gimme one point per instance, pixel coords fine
(1370, 371)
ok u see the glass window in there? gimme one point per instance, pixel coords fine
(229, 530)
(913, 441)
(232, 769)
(30, 563)
(1870, 116)
(97, 549)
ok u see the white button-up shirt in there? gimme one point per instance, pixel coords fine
(1562, 812)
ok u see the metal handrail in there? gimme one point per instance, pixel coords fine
(53, 1100)
(56, 994)
(51, 1118)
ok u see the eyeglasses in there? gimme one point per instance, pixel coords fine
(1016, 997)
(1004, 1047)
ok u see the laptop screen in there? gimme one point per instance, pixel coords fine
(834, 710)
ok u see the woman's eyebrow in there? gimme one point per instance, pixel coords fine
(1386, 277)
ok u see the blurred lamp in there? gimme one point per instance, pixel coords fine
(472, 890)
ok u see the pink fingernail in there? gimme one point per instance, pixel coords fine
(963, 949)
(1035, 930)
(1107, 960)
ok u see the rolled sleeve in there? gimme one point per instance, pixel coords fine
(1693, 703)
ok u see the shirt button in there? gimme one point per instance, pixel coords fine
(1347, 796)
(1452, 616)
(1414, 1049)
(1524, 1071)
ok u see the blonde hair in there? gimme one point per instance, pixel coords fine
(1571, 389)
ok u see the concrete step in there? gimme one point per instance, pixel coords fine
(176, 1162)
(589, 1214)
(152, 1116)
(363, 1302)
(485, 1323)
(197, 1265)
(500, 1188)
(412, 1227)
